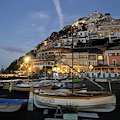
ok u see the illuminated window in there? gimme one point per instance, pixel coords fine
(75, 63)
(100, 57)
(109, 54)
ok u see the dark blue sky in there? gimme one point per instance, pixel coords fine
(25, 23)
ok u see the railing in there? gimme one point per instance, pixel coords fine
(82, 74)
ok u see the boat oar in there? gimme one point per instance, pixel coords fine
(30, 101)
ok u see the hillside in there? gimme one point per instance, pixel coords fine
(94, 31)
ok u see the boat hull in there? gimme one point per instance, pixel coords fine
(27, 88)
(105, 103)
(9, 108)
(11, 105)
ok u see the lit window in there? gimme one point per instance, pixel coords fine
(100, 57)
(109, 54)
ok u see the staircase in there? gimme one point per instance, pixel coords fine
(82, 74)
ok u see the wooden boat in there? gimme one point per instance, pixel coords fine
(26, 87)
(11, 105)
(81, 102)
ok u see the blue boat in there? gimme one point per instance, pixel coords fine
(11, 105)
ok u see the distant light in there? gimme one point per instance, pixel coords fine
(45, 43)
(55, 75)
(30, 68)
(21, 65)
(100, 57)
(58, 68)
(91, 67)
(27, 59)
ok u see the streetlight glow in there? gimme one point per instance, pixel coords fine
(30, 68)
(100, 57)
(27, 59)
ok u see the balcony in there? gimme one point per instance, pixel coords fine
(114, 65)
(92, 58)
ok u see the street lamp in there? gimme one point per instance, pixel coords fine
(100, 57)
(30, 69)
(27, 59)
(91, 67)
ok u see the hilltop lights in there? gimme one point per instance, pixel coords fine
(55, 69)
(27, 59)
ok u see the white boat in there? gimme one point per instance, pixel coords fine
(11, 105)
(26, 87)
(44, 80)
(81, 102)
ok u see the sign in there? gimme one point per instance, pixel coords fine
(55, 75)
(109, 80)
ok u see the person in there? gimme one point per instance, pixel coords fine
(94, 78)
(99, 74)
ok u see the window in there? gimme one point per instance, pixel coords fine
(69, 57)
(56, 53)
(75, 63)
(118, 54)
(114, 62)
(85, 63)
(64, 57)
(83, 56)
(93, 63)
(81, 62)
(110, 54)
(75, 57)
(113, 54)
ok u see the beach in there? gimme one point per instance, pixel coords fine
(37, 114)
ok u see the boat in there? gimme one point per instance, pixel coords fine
(26, 87)
(11, 77)
(11, 105)
(90, 102)
(1, 85)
